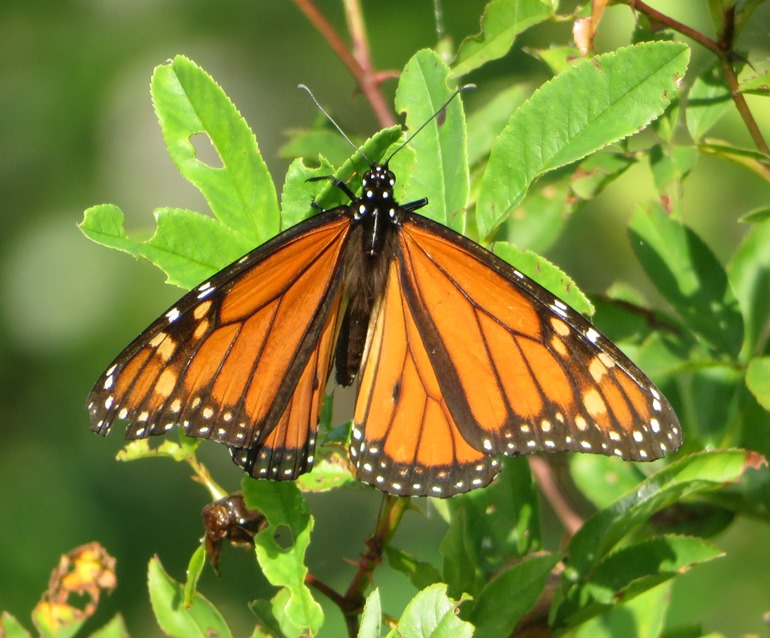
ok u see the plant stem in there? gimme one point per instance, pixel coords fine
(368, 80)
(358, 62)
(723, 49)
(392, 509)
(553, 493)
(351, 604)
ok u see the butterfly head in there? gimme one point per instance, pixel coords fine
(377, 193)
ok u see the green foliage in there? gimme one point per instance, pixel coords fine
(525, 166)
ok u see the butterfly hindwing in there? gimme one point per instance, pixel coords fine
(405, 439)
(226, 360)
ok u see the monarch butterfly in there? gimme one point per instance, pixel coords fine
(458, 357)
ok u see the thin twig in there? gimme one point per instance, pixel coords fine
(723, 49)
(324, 27)
(326, 590)
(571, 520)
(368, 80)
(392, 509)
(358, 62)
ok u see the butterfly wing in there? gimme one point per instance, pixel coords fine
(468, 358)
(231, 355)
(287, 451)
(405, 438)
(521, 371)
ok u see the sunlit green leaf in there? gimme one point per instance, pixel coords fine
(758, 380)
(239, 188)
(441, 169)
(502, 21)
(589, 106)
(431, 614)
(175, 618)
(688, 275)
(281, 549)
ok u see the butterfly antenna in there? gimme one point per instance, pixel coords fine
(337, 126)
(465, 87)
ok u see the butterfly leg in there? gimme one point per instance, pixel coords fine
(337, 182)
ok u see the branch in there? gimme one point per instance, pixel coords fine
(723, 49)
(358, 62)
(368, 82)
(351, 604)
(544, 477)
(391, 511)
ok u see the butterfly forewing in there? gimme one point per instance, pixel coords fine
(225, 361)
(520, 371)
(287, 451)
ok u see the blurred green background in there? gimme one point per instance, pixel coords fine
(77, 128)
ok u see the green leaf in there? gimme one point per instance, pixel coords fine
(187, 246)
(589, 106)
(558, 58)
(670, 166)
(758, 380)
(758, 85)
(298, 192)
(603, 479)
(749, 273)
(116, 628)
(717, 401)
(371, 618)
(755, 161)
(486, 122)
(707, 101)
(267, 625)
(329, 472)
(175, 618)
(546, 274)
(689, 276)
(194, 570)
(460, 556)
(502, 21)
(441, 169)
(510, 595)
(539, 220)
(12, 628)
(240, 192)
(632, 571)
(691, 475)
(431, 614)
(419, 573)
(643, 616)
(281, 549)
(597, 172)
(756, 215)
(489, 527)
(140, 449)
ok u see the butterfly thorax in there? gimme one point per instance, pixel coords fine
(375, 210)
(377, 216)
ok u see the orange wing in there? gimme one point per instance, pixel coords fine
(405, 439)
(468, 358)
(244, 358)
